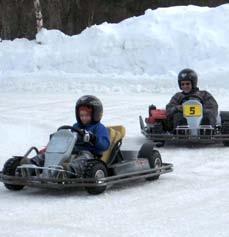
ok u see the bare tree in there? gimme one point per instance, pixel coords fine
(39, 17)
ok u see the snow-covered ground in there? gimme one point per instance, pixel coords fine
(129, 66)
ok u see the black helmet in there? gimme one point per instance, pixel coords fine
(91, 102)
(188, 75)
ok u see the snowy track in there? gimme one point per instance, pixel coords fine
(191, 201)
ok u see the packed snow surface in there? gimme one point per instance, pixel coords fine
(128, 66)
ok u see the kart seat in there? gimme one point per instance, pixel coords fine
(116, 135)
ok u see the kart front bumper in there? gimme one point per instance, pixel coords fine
(182, 137)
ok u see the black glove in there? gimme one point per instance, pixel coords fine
(175, 109)
(89, 137)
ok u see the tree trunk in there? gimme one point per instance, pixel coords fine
(38, 14)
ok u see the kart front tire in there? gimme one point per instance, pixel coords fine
(95, 169)
(147, 151)
(10, 169)
(155, 162)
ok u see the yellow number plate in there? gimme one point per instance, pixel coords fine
(192, 110)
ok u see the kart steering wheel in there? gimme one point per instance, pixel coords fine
(189, 97)
(79, 131)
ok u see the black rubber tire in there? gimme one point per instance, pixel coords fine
(147, 151)
(225, 127)
(9, 169)
(91, 171)
(226, 143)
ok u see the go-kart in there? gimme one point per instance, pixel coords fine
(157, 126)
(115, 166)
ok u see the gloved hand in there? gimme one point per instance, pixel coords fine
(89, 137)
(175, 109)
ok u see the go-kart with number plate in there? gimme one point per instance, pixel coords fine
(157, 126)
(115, 166)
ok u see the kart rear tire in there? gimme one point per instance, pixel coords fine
(226, 143)
(225, 130)
(224, 115)
(95, 169)
(9, 169)
(147, 151)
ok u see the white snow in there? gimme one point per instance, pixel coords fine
(129, 66)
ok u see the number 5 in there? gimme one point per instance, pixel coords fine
(192, 110)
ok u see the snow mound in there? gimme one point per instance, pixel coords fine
(158, 42)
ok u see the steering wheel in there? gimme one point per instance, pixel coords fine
(189, 97)
(79, 131)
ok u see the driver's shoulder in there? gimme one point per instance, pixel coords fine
(177, 95)
(99, 125)
(96, 126)
(203, 93)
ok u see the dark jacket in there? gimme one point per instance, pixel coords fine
(102, 138)
(210, 105)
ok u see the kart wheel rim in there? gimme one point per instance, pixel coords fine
(99, 174)
(157, 163)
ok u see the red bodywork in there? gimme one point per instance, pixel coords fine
(156, 115)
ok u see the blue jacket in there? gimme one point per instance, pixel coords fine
(102, 138)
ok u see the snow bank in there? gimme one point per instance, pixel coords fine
(160, 42)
